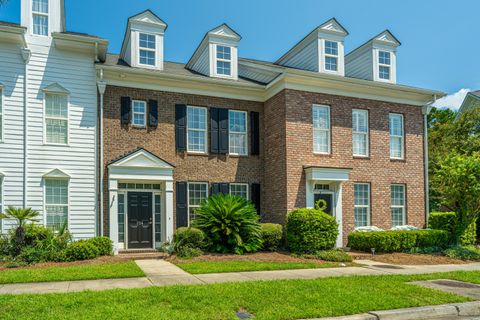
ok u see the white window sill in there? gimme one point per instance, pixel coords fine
(322, 153)
(56, 144)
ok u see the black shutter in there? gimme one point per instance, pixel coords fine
(181, 127)
(224, 188)
(182, 206)
(126, 103)
(256, 196)
(215, 188)
(214, 130)
(255, 132)
(223, 131)
(153, 113)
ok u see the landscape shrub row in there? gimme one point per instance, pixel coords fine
(449, 221)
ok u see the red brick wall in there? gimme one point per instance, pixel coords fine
(378, 169)
(119, 141)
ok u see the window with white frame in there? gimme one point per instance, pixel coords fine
(360, 132)
(56, 202)
(362, 204)
(224, 60)
(321, 129)
(331, 55)
(384, 65)
(237, 125)
(139, 113)
(399, 217)
(122, 204)
(147, 49)
(396, 136)
(56, 118)
(197, 193)
(40, 17)
(239, 189)
(197, 129)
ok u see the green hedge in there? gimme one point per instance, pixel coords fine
(272, 235)
(310, 230)
(103, 244)
(81, 250)
(448, 221)
(397, 241)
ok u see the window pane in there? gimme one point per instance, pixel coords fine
(56, 105)
(147, 57)
(197, 129)
(147, 41)
(361, 204)
(197, 192)
(321, 129)
(398, 205)
(158, 218)
(224, 53)
(40, 6)
(121, 217)
(331, 47)
(237, 132)
(360, 144)
(398, 195)
(57, 131)
(321, 141)
(396, 125)
(384, 57)
(56, 191)
(331, 63)
(197, 118)
(139, 112)
(321, 117)
(239, 190)
(56, 216)
(40, 25)
(223, 67)
(396, 136)
(384, 72)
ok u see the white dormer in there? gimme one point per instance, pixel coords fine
(322, 50)
(375, 60)
(217, 54)
(143, 43)
(43, 17)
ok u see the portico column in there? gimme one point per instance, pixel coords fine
(113, 207)
(169, 210)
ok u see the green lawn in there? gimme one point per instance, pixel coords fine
(267, 300)
(127, 269)
(201, 267)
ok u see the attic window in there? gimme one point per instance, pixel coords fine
(331, 55)
(384, 63)
(224, 60)
(147, 49)
(40, 17)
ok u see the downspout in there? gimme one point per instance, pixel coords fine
(26, 55)
(102, 85)
(426, 111)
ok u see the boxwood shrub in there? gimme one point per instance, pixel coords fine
(397, 241)
(103, 244)
(81, 250)
(272, 235)
(310, 231)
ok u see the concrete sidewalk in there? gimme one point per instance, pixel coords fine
(163, 273)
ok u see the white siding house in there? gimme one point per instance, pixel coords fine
(49, 83)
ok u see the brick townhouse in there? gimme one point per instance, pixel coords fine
(315, 124)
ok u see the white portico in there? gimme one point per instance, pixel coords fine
(140, 201)
(324, 183)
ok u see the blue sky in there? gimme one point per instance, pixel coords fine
(438, 51)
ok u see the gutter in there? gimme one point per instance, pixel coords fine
(102, 85)
(426, 111)
(26, 55)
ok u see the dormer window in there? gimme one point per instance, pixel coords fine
(147, 49)
(40, 17)
(384, 63)
(224, 60)
(331, 55)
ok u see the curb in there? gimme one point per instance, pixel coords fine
(451, 311)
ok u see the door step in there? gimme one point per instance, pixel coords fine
(142, 254)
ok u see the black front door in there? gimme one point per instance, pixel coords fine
(140, 220)
(328, 197)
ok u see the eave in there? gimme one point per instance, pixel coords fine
(81, 43)
(13, 34)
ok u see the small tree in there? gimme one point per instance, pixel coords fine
(457, 180)
(22, 216)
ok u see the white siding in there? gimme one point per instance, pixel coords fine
(360, 64)
(202, 65)
(76, 73)
(11, 149)
(306, 58)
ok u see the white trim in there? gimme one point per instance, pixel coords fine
(403, 207)
(139, 48)
(240, 184)
(40, 14)
(402, 137)
(216, 60)
(46, 92)
(45, 213)
(366, 134)
(205, 131)
(245, 133)
(144, 125)
(320, 130)
(188, 197)
(368, 206)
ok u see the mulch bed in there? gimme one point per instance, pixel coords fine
(406, 258)
(100, 260)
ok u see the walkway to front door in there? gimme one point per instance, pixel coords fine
(140, 220)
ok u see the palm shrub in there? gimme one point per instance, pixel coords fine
(231, 224)
(22, 216)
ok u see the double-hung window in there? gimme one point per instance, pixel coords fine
(397, 136)
(321, 129)
(224, 60)
(239, 189)
(384, 65)
(147, 49)
(196, 129)
(56, 118)
(197, 193)
(40, 17)
(237, 125)
(56, 202)
(399, 217)
(360, 132)
(362, 204)
(139, 114)
(331, 55)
